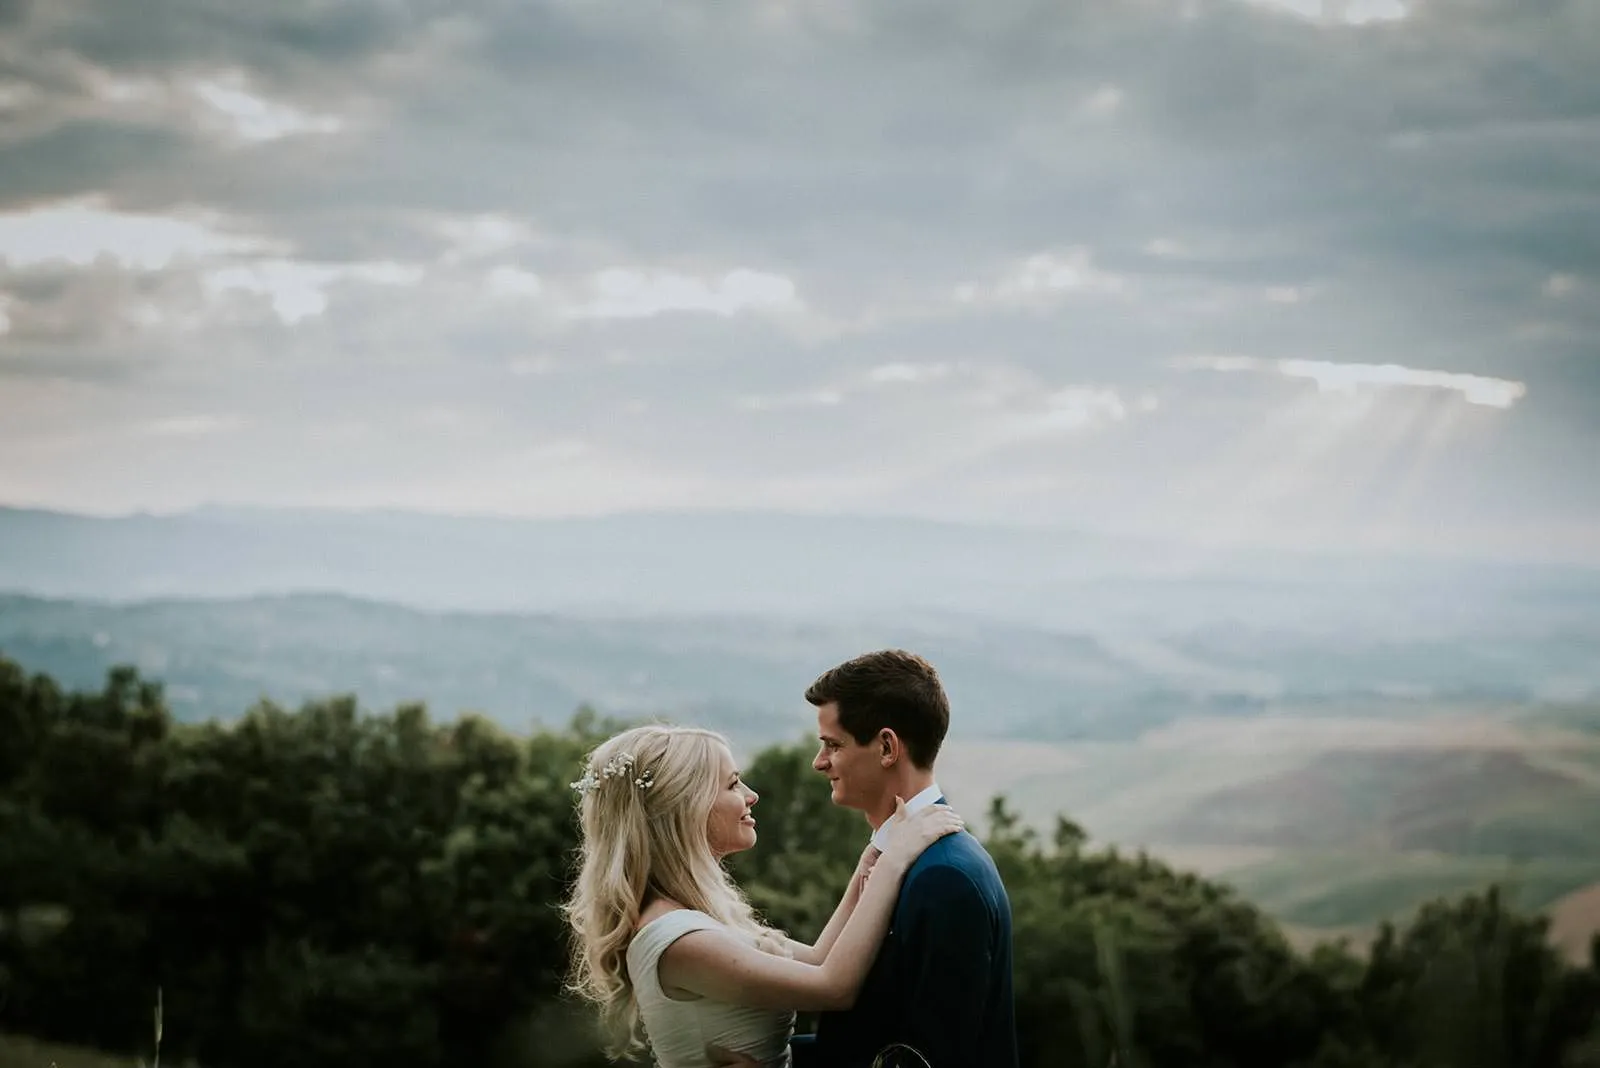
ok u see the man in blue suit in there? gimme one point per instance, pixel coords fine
(941, 983)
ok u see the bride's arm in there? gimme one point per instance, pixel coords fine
(716, 965)
(817, 952)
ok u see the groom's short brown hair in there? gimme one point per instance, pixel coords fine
(889, 688)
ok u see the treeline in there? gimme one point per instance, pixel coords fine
(329, 888)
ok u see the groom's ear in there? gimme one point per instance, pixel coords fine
(890, 748)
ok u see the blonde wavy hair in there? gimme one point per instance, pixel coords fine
(640, 843)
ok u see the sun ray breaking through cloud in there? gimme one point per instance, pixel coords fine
(1333, 377)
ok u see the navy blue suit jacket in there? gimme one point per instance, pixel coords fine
(941, 982)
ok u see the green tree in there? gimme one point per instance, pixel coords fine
(328, 886)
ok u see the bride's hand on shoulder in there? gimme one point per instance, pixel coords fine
(864, 866)
(910, 834)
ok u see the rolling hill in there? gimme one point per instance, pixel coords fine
(742, 674)
(1342, 739)
(1462, 801)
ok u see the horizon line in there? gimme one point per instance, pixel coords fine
(1155, 540)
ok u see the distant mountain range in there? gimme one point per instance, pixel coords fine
(745, 674)
(726, 616)
(819, 567)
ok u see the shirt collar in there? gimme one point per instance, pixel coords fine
(880, 837)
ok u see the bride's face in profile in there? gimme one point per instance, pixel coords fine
(731, 828)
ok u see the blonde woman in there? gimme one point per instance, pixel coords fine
(664, 941)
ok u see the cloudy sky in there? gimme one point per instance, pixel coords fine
(1290, 271)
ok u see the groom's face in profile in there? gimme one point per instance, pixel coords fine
(855, 772)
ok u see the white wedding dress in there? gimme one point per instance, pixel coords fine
(680, 1030)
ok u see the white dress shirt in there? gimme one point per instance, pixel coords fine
(880, 837)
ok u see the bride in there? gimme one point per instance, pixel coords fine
(664, 941)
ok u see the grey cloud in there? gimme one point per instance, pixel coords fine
(184, 33)
(832, 150)
(66, 305)
(84, 157)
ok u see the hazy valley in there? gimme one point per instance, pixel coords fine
(1341, 740)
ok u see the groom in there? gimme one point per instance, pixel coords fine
(941, 983)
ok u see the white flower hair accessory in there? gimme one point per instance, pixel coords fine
(618, 766)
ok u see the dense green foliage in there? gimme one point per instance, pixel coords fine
(324, 887)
